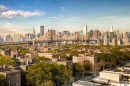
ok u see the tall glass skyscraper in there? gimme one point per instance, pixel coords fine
(85, 29)
(41, 30)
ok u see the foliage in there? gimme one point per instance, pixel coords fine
(38, 74)
(22, 50)
(87, 65)
(5, 60)
(78, 68)
(112, 59)
(41, 59)
(56, 50)
(61, 56)
(61, 73)
(45, 73)
(81, 67)
(48, 83)
(2, 80)
(4, 47)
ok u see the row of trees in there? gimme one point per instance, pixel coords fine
(81, 68)
(112, 59)
(46, 74)
(2, 80)
(21, 50)
(38, 59)
(6, 60)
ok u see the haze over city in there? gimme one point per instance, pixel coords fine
(21, 15)
(64, 43)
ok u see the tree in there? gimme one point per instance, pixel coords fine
(61, 74)
(45, 74)
(2, 80)
(48, 83)
(41, 59)
(5, 60)
(87, 65)
(78, 68)
(38, 74)
(22, 50)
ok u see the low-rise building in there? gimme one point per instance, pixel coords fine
(82, 57)
(6, 52)
(29, 55)
(12, 77)
(47, 55)
(67, 63)
(110, 74)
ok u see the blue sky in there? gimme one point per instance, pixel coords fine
(21, 15)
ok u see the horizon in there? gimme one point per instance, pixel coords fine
(71, 15)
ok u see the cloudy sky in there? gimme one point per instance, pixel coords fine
(21, 15)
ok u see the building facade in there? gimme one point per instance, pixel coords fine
(41, 30)
(92, 59)
(12, 77)
(85, 29)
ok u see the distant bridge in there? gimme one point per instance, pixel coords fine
(44, 41)
(15, 43)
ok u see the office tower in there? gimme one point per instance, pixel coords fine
(53, 32)
(29, 36)
(122, 36)
(66, 33)
(129, 34)
(33, 31)
(96, 34)
(126, 35)
(111, 29)
(1, 39)
(85, 29)
(119, 41)
(118, 35)
(91, 33)
(41, 30)
(59, 34)
(8, 38)
(114, 41)
(106, 40)
(111, 36)
(126, 39)
(16, 37)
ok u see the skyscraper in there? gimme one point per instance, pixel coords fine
(126, 39)
(129, 34)
(41, 30)
(96, 34)
(126, 35)
(33, 31)
(91, 33)
(85, 29)
(114, 41)
(111, 29)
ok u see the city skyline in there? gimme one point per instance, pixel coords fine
(71, 15)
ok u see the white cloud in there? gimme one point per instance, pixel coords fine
(62, 8)
(2, 7)
(6, 12)
(9, 28)
(56, 17)
(109, 17)
(20, 13)
(53, 17)
(62, 16)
